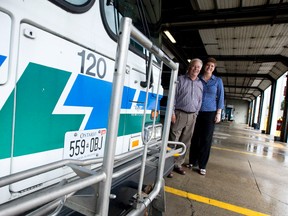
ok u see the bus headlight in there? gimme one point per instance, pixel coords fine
(151, 133)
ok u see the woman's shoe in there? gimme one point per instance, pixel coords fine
(202, 171)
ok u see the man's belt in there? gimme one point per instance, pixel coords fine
(185, 111)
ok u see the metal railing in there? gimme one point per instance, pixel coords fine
(32, 201)
(127, 31)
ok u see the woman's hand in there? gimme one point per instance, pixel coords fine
(217, 118)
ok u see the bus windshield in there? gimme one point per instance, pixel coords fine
(145, 15)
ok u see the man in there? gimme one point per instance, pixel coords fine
(188, 99)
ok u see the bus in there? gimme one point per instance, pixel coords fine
(80, 91)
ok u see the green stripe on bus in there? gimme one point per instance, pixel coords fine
(6, 116)
(132, 123)
(36, 129)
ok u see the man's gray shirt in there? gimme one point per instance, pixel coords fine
(188, 95)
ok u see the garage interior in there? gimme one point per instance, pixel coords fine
(248, 38)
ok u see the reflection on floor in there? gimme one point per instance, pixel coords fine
(247, 174)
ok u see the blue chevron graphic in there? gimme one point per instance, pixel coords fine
(90, 92)
(2, 59)
(151, 100)
(95, 93)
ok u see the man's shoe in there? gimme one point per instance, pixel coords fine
(170, 175)
(189, 166)
(179, 170)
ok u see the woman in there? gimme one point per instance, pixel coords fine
(210, 113)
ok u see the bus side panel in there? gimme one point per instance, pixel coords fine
(6, 102)
(53, 97)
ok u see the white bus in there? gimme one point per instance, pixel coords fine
(79, 104)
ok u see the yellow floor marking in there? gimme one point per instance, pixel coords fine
(213, 202)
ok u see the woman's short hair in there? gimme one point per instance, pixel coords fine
(211, 59)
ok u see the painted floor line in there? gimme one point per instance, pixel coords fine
(219, 204)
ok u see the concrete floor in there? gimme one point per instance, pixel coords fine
(247, 174)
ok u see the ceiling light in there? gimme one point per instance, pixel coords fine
(171, 38)
(188, 60)
(256, 82)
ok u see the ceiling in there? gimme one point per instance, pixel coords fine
(248, 38)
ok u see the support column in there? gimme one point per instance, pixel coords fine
(271, 106)
(260, 108)
(284, 128)
(254, 109)
(250, 114)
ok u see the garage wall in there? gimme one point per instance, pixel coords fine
(241, 110)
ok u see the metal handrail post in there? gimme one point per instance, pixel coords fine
(144, 156)
(153, 194)
(114, 112)
(142, 171)
(146, 97)
(167, 122)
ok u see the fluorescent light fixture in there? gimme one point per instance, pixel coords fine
(256, 82)
(167, 33)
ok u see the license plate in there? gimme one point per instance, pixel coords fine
(84, 144)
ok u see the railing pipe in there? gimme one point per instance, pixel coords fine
(145, 42)
(26, 203)
(114, 113)
(6, 180)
